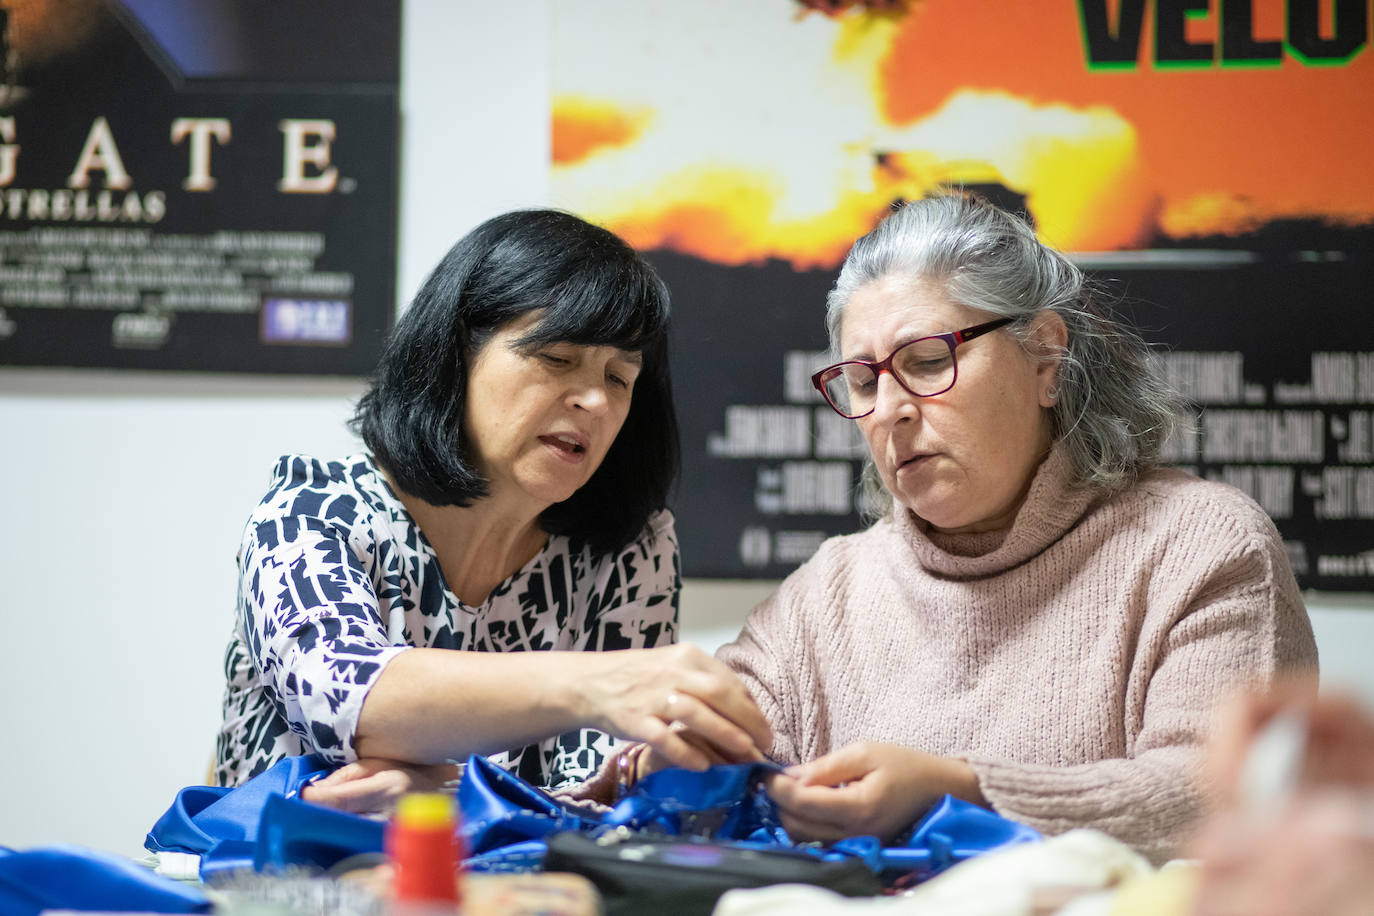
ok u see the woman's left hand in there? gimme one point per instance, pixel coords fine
(866, 789)
(372, 785)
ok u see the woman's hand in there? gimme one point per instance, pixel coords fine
(372, 785)
(687, 706)
(648, 761)
(866, 789)
(1315, 858)
(1338, 741)
(1311, 852)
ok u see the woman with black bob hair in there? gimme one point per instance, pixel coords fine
(521, 446)
(593, 290)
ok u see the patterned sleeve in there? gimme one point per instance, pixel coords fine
(308, 613)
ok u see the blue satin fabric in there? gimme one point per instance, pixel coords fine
(724, 802)
(729, 803)
(262, 823)
(75, 878)
(950, 832)
(505, 821)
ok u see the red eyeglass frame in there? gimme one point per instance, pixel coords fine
(951, 338)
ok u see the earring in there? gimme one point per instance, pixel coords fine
(1052, 392)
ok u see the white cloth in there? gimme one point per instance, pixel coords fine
(1018, 881)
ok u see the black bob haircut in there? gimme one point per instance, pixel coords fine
(594, 289)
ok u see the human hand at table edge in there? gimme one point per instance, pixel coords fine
(1338, 739)
(867, 789)
(372, 785)
(1310, 851)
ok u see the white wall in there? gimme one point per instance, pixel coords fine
(123, 493)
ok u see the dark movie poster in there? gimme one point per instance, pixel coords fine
(206, 185)
(1211, 164)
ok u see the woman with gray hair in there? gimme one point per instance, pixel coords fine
(1042, 617)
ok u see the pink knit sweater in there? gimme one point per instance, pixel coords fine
(1073, 660)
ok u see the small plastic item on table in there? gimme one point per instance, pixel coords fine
(423, 843)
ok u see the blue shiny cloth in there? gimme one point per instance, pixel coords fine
(75, 878)
(263, 823)
(724, 802)
(950, 832)
(505, 821)
(499, 809)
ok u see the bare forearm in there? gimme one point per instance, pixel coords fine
(431, 705)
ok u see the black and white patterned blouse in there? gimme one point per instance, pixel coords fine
(336, 579)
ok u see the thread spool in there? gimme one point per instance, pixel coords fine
(422, 841)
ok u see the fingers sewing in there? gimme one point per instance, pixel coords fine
(672, 746)
(722, 691)
(844, 765)
(822, 805)
(706, 722)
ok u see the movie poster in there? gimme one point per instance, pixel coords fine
(205, 185)
(1209, 161)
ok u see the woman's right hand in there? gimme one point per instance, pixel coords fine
(690, 708)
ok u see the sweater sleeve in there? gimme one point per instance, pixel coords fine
(1245, 624)
(769, 657)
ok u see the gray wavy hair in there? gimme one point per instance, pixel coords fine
(1115, 407)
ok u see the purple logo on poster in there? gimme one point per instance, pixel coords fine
(307, 321)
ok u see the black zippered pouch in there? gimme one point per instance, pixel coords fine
(687, 875)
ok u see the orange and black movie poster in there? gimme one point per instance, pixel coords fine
(204, 185)
(1210, 161)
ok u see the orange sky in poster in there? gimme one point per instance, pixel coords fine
(583, 126)
(1296, 139)
(882, 108)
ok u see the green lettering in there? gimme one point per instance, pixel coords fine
(1306, 43)
(1108, 48)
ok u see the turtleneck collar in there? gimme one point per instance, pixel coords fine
(1053, 504)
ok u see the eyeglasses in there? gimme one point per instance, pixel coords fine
(924, 367)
